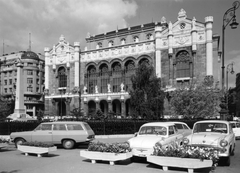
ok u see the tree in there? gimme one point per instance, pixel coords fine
(77, 113)
(147, 98)
(199, 101)
(6, 107)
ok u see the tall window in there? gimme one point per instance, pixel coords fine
(62, 77)
(117, 77)
(91, 79)
(183, 64)
(104, 78)
(129, 71)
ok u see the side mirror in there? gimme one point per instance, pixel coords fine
(135, 134)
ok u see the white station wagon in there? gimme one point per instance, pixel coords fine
(151, 133)
(66, 133)
(213, 133)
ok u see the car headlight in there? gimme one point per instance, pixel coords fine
(223, 143)
(185, 141)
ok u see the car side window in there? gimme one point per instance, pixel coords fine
(171, 130)
(238, 125)
(184, 126)
(233, 125)
(59, 127)
(46, 127)
(74, 127)
(179, 126)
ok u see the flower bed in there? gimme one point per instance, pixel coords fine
(184, 156)
(107, 152)
(38, 148)
(3, 142)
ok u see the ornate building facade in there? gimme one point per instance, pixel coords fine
(180, 52)
(32, 80)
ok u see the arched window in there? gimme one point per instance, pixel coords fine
(183, 64)
(99, 45)
(62, 77)
(135, 39)
(110, 43)
(91, 79)
(149, 36)
(123, 41)
(129, 71)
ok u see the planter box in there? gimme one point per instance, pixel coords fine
(188, 163)
(35, 150)
(2, 145)
(111, 157)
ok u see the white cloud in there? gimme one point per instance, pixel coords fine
(48, 19)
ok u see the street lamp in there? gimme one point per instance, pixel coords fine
(229, 69)
(228, 16)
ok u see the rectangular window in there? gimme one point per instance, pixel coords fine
(29, 72)
(183, 69)
(104, 83)
(10, 73)
(29, 80)
(5, 90)
(29, 89)
(59, 127)
(10, 81)
(10, 90)
(5, 82)
(5, 74)
(116, 84)
(74, 127)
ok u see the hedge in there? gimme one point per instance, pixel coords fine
(107, 127)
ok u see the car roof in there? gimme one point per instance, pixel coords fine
(175, 122)
(63, 122)
(213, 121)
(158, 124)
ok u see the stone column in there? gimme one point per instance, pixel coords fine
(19, 101)
(158, 41)
(77, 64)
(46, 50)
(209, 45)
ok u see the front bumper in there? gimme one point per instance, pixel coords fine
(142, 152)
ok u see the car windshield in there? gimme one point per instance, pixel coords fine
(210, 127)
(150, 130)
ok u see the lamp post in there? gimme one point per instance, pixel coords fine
(229, 16)
(229, 69)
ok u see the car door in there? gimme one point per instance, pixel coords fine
(59, 132)
(173, 136)
(43, 133)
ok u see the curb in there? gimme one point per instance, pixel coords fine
(96, 136)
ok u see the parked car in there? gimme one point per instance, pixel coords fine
(213, 133)
(183, 128)
(66, 133)
(236, 128)
(150, 133)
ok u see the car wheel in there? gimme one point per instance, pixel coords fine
(19, 141)
(68, 144)
(233, 150)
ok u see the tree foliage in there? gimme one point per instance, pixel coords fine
(199, 101)
(147, 98)
(6, 107)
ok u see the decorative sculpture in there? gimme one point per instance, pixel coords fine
(109, 87)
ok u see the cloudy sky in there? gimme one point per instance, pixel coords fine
(46, 20)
